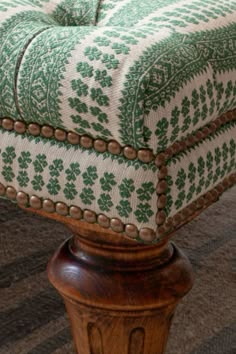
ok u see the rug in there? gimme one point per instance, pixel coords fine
(32, 314)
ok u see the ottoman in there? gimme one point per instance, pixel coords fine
(118, 119)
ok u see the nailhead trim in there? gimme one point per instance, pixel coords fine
(173, 223)
(144, 155)
(194, 138)
(101, 146)
(174, 149)
(147, 235)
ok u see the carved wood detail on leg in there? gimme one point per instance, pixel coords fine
(120, 295)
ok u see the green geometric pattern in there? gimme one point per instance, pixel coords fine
(110, 184)
(143, 73)
(80, 177)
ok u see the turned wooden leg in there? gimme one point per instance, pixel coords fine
(120, 295)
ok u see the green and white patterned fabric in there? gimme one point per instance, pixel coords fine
(146, 74)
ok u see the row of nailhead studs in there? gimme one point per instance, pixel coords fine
(175, 149)
(172, 223)
(199, 135)
(101, 146)
(145, 234)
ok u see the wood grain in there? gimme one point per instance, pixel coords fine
(120, 296)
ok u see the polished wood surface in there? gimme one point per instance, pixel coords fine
(120, 295)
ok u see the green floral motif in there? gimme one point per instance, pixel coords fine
(5, 5)
(120, 48)
(40, 163)
(191, 192)
(102, 41)
(124, 208)
(70, 191)
(97, 112)
(180, 200)
(103, 78)
(25, 159)
(87, 196)
(185, 111)
(56, 168)
(169, 199)
(191, 172)
(90, 176)
(85, 69)
(161, 131)
(174, 121)
(103, 132)
(145, 193)
(163, 78)
(9, 155)
(181, 178)
(73, 171)
(98, 96)
(42, 70)
(23, 178)
(217, 155)
(129, 14)
(93, 53)
(53, 186)
(78, 105)
(105, 202)
(126, 188)
(143, 212)
(8, 173)
(80, 88)
(108, 181)
(75, 13)
(84, 124)
(209, 165)
(38, 183)
(110, 61)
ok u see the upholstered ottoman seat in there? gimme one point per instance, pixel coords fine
(120, 115)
